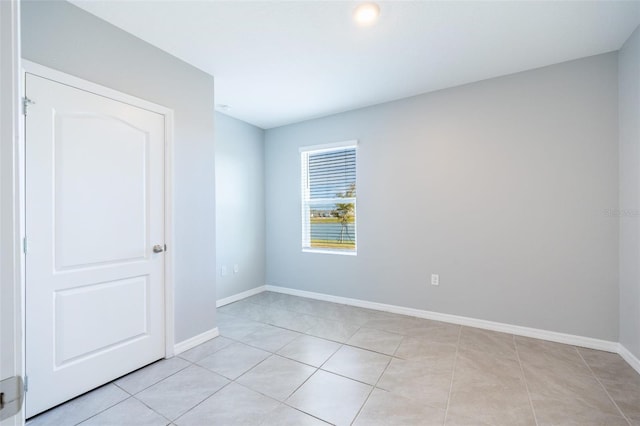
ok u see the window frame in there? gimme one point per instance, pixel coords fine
(306, 202)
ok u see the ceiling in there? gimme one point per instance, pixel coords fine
(280, 62)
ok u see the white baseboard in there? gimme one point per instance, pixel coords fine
(240, 296)
(194, 341)
(570, 339)
(631, 359)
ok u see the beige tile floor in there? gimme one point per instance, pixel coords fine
(284, 360)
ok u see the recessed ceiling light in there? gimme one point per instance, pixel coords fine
(224, 107)
(366, 14)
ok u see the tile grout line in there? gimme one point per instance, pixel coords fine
(624, 416)
(276, 353)
(453, 372)
(154, 383)
(305, 381)
(190, 364)
(119, 387)
(152, 409)
(269, 305)
(524, 379)
(331, 356)
(375, 386)
(249, 369)
(99, 412)
(201, 402)
(287, 329)
(342, 344)
(129, 394)
(296, 390)
(304, 363)
(359, 327)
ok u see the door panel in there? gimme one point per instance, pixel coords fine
(94, 210)
(102, 206)
(88, 311)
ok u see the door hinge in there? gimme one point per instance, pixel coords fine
(25, 104)
(165, 247)
(26, 384)
(25, 245)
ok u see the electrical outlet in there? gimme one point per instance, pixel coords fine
(236, 269)
(435, 279)
(223, 270)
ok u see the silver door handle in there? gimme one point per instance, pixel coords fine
(158, 248)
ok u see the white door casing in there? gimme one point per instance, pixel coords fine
(95, 207)
(11, 309)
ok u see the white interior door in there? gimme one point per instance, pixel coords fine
(94, 211)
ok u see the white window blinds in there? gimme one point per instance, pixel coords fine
(329, 198)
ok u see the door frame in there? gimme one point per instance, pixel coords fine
(29, 67)
(11, 261)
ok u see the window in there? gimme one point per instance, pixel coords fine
(329, 198)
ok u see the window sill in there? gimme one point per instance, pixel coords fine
(329, 251)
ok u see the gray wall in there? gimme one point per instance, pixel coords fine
(239, 205)
(502, 187)
(629, 120)
(62, 36)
